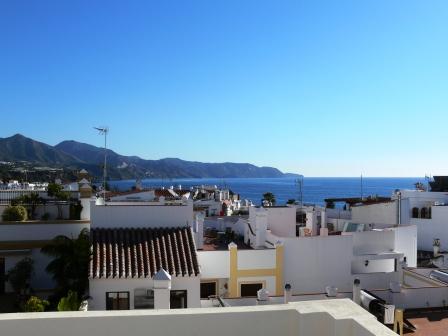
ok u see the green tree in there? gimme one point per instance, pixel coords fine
(71, 262)
(269, 198)
(70, 302)
(30, 202)
(57, 191)
(20, 275)
(291, 201)
(35, 304)
(15, 213)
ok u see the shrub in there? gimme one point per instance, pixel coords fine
(69, 302)
(45, 216)
(15, 213)
(19, 276)
(35, 304)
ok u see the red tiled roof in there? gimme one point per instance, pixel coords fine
(163, 192)
(141, 252)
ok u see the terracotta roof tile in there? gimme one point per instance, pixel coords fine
(141, 252)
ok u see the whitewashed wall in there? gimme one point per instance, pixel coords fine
(256, 259)
(99, 287)
(429, 229)
(371, 242)
(382, 213)
(406, 243)
(141, 215)
(324, 318)
(40, 230)
(312, 263)
(282, 221)
(214, 264)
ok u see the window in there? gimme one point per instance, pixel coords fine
(143, 298)
(250, 289)
(423, 212)
(117, 300)
(178, 299)
(415, 212)
(208, 288)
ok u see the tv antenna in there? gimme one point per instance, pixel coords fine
(299, 184)
(104, 131)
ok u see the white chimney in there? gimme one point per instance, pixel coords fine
(323, 223)
(287, 293)
(162, 289)
(331, 291)
(261, 225)
(357, 291)
(199, 230)
(262, 297)
(436, 247)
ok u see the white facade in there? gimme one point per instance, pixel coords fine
(151, 215)
(20, 240)
(142, 214)
(400, 211)
(99, 287)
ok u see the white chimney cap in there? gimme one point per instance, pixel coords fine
(263, 295)
(162, 275)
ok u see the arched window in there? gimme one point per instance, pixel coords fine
(415, 212)
(423, 213)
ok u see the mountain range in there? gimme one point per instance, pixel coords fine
(72, 155)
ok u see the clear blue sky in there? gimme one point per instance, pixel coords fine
(323, 88)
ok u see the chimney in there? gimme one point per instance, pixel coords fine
(261, 225)
(288, 293)
(323, 223)
(436, 247)
(162, 289)
(263, 297)
(357, 291)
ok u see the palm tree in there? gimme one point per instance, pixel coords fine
(269, 198)
(71, 262)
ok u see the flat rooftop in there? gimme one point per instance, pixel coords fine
(324, 318)
(427, 322)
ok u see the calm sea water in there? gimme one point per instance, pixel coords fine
(315, 189)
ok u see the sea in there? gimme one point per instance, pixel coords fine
(312, 190)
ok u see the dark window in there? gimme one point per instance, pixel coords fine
(2, 275)
(415, 212)
(143, 298)
(178, 299)
(423, 213)
(208, 289)
(250, 289)
(117, 300)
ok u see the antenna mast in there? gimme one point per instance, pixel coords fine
(104, 131)
(362, 194)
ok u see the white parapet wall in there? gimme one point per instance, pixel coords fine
(141, 214)
(323, 318)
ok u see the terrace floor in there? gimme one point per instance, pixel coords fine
(427, 322)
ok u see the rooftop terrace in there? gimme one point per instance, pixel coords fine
(323, 318)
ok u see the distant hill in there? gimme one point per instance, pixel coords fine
(20, 148)
(75, 155)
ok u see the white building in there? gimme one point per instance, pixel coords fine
(144, 256)
(427, 210)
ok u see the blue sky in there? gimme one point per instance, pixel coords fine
(323, 88)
